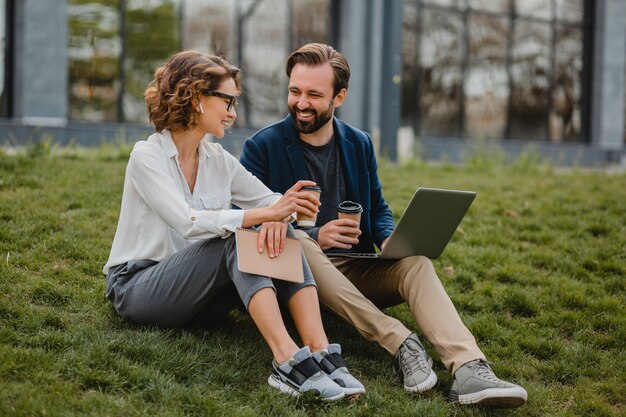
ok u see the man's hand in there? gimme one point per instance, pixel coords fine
(337, 234)
(382, 245)
(274, 233)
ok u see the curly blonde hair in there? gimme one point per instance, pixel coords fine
(171, 95)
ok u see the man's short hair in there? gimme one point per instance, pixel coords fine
(316, 54)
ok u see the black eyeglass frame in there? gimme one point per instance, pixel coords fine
(232, 100)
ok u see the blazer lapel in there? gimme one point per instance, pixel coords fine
(348, 163)
(294, 152)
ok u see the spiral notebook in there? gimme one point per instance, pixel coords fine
(286, 266)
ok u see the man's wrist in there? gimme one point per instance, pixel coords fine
(312, 232)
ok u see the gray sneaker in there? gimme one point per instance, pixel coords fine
(414, 365)
(475, 383)
(302, 374)
(332, 363)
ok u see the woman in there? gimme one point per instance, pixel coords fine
(173, 261)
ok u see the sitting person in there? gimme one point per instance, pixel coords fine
(311, 143)
(173, 261)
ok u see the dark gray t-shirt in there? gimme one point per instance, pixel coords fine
(325, 169)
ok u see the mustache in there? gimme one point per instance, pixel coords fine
(296, 110)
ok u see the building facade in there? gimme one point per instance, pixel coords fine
(430, 78)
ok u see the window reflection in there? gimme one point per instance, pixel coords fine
(441, 79)
(105, 89)
(410, 16)
(265, 48)
(94, 50)
(486, 84)
(520, 75)
(530, 72)
(565, 117)
(534, 8)
(501, 6)
(445, 2)
(311, 22)
(571, 10)
(209, 27)
(150, 36)
(264, 51)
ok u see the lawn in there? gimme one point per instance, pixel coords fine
(537, 271)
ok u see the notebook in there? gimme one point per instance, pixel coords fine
(286, 266)
(426, 226)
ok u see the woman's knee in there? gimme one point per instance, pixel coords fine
(257, 294)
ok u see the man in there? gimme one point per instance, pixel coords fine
(312, 144)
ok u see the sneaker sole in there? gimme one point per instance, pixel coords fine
(495, 397)
(424, 386)
(275, 382)
(353, 391)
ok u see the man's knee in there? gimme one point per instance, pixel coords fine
(417, 267)
(309, 245)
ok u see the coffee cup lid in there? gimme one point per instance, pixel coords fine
(349, 207)
(311, 188)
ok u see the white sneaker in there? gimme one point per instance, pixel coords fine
(332, 363)
(302, 374)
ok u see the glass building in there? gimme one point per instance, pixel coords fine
(433, 75)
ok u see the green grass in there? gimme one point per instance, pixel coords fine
(537, 271)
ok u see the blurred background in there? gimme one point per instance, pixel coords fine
(430, 78)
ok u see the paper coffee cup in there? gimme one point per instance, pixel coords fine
(350, 210)
(303, 219)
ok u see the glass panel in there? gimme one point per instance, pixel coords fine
(408, 89)
(530, 72)
(3, 45)
(94, 48)
(266, 43)
(441, 57)
(486, 85)
(570, 10)
(210, 28)
(497, 6)
(151, 36)
(534, 8)
(265, 47)
(565, 117)
(311, 22)
(444, 2)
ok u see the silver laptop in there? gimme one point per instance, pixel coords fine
(426, 226)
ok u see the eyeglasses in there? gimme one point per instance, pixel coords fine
(232, 100)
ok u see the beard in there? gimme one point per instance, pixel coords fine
(319, 119)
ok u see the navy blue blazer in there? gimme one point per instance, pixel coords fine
(274, 155)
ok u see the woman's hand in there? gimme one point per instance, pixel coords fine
(295, 200)
(292, 201)
(274, 233)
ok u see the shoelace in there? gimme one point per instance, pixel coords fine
(485, 372)
(405, 357)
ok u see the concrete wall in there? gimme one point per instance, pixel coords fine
(609, 63)
(40, 78)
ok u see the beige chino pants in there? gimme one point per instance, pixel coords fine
(357, 288)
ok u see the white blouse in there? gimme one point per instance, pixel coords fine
(160, 216)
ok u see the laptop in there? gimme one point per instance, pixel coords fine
(426, 226)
